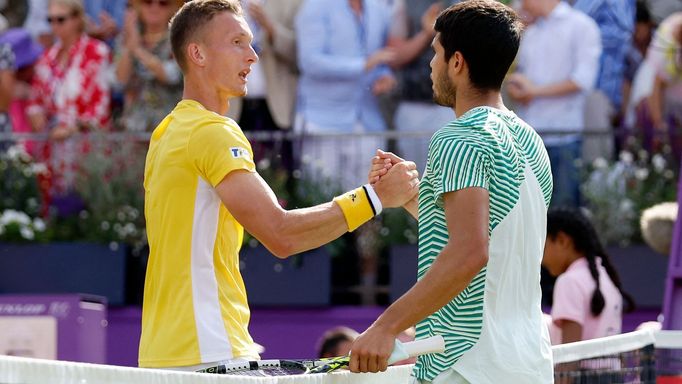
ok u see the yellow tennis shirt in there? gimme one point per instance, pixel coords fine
(195, 309)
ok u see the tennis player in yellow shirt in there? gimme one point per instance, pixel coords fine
(202, 190)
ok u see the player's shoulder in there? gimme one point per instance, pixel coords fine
(474, 127)
(213, 131)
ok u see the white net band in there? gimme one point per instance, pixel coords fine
(603, 346)
(19, 370)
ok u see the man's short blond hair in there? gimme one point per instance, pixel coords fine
(191, 18)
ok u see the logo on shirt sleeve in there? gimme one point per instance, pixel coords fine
(239, 152)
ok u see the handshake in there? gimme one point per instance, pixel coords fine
(394, 180)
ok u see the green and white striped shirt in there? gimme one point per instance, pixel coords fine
(493, 329)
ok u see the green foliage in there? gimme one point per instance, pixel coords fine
(20, 197)
(618, 191)
(110, 184)
(19, 183)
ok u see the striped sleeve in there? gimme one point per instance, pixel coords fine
(464, 164)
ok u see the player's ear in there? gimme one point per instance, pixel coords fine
(456, 63)
(195, 54)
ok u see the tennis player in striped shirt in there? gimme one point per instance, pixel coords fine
(482, 210)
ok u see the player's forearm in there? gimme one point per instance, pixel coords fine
(449, 275)
(412, 207)
(303, 229)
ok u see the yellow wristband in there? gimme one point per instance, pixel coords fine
(356, 206)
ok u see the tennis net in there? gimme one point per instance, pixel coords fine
(641, 357)
(19, 370)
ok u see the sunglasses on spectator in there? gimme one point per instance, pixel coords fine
(161, 3)
(59, 19)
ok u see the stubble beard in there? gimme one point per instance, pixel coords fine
(444, 92)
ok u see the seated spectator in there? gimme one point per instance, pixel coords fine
(69, 92)
(588, 297)
(145, 67)
(336, 342)
(18, 53)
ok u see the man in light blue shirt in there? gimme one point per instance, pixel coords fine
(342, 59)
(558, 63)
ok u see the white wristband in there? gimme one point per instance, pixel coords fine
(374, 199)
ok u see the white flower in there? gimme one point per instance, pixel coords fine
(641, 173)
(626, 157)
(105, 225)
(600, 163)
(14, 152)
(12, 216)
(38, 169)
(38, 224)
(659, 162)
(626, 205)
(264, 164)
(27, 233)
(130, 229)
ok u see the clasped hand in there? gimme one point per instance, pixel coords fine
(394, 178)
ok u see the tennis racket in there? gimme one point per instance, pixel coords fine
(401, 351)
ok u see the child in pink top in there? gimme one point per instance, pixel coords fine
(588, 297)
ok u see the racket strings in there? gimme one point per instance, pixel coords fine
(270, 371)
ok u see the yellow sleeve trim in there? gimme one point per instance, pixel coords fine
(356, 206)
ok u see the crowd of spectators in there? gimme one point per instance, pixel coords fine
(354, 67)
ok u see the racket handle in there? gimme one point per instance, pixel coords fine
(402, 351)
